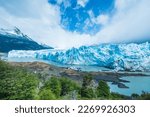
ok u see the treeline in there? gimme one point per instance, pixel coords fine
(19, 84)
(16, 83)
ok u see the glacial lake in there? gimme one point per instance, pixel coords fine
(136, 84)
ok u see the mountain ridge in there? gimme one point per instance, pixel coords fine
(14, 39)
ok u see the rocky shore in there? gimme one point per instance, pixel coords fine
(46, 71)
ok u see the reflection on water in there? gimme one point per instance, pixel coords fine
(136, 84)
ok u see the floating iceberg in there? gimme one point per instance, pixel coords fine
(128, 57)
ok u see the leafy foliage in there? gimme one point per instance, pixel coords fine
(103, 89)
(46, 94)
(16, 83)
(87, 88)
(67, 86)
(54, 85)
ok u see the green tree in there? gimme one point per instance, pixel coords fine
(87, 90)
(87, 93)
(103, 89)
(67, 86)
(134, 96)
(144, 96)
(16, 83)
(87, 80)
(54, 85)
(46, 94)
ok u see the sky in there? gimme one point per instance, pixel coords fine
(73, 23)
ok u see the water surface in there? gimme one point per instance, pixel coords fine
(136, 84)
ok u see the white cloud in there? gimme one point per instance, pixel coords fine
(102, 19)
(131, 23)
(82, 2)
(41, 21)
(66, 3)
(122, 5)
(44, 25)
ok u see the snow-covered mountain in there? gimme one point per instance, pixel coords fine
(14, 39)
(12, 32)
(129, 57)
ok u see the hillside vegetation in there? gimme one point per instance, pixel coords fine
(16, 83)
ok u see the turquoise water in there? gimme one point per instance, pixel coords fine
(82, 67)
(136, 85)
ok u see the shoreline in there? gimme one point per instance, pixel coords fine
(47, 71)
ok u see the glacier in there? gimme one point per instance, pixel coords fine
(119, 57)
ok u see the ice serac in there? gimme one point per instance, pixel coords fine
(128, 57)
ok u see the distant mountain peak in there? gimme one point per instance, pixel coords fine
(13, 39)
(12, 32)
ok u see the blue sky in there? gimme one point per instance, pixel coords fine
(74, 17)
(73, 23)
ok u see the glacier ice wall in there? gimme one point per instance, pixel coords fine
(129, 57)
